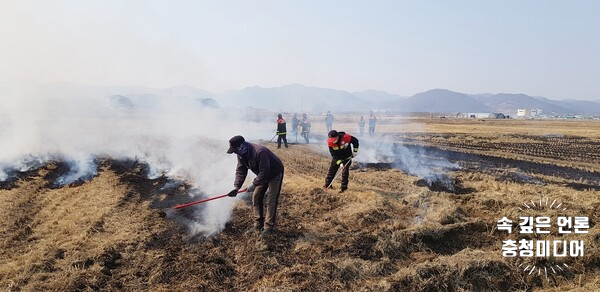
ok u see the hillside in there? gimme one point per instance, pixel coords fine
(301, 98)
(293, 97)
(509, 103)
(441, 100)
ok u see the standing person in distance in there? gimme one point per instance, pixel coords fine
(295, 123)
(372, 123)
(265, 188)
(329, 121)
(361, 126)
(281, 131)
(343, 148)
(305, 125)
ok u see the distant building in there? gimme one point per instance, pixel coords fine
(525, 112)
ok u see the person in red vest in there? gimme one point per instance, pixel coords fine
(281, 131)
(343, 148)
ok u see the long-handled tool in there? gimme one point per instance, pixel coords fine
(272, 138)
(340, 170)
(206, 200)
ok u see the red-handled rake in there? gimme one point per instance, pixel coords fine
(206, 200)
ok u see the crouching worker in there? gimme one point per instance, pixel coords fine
(266, 186)
(341, 153)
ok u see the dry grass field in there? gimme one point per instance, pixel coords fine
(388, 232)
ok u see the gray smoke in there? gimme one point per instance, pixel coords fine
(177, 137)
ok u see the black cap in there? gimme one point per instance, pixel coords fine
(332, 134)
(234, 143)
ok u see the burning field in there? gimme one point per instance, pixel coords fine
(422, 218)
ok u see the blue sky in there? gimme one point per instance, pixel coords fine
(543, 48)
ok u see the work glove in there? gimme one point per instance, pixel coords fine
(339, 162)
(233, 192)
(251, 188)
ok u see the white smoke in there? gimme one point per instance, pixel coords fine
(176, 137)
(417, 162)
(376, 149)
(82, 168)
(412, 160)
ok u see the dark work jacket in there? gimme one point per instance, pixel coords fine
(341, 150)
(329, 119)
(281, 127)
(264, 163)
(305, 125)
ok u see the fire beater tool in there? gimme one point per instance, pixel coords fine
(272, 138)
(170, 210)
(205, 200)
(340, 170)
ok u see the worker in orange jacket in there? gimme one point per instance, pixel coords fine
(281, 131)
(343, 148)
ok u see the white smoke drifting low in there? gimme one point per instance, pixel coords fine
(176, 137)
(419, 163)
(414, 161)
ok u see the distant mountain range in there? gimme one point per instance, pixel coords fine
(301, 98)
(305, 98)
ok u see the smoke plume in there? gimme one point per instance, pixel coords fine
(177, 137)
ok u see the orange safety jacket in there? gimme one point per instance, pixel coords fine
(341, 150)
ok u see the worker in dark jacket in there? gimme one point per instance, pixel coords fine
(295, 124)
(329, 121)
(266, 186)
(281, 131)
(361, 126)
(305, 125)
(372, 123)
(343, 148)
